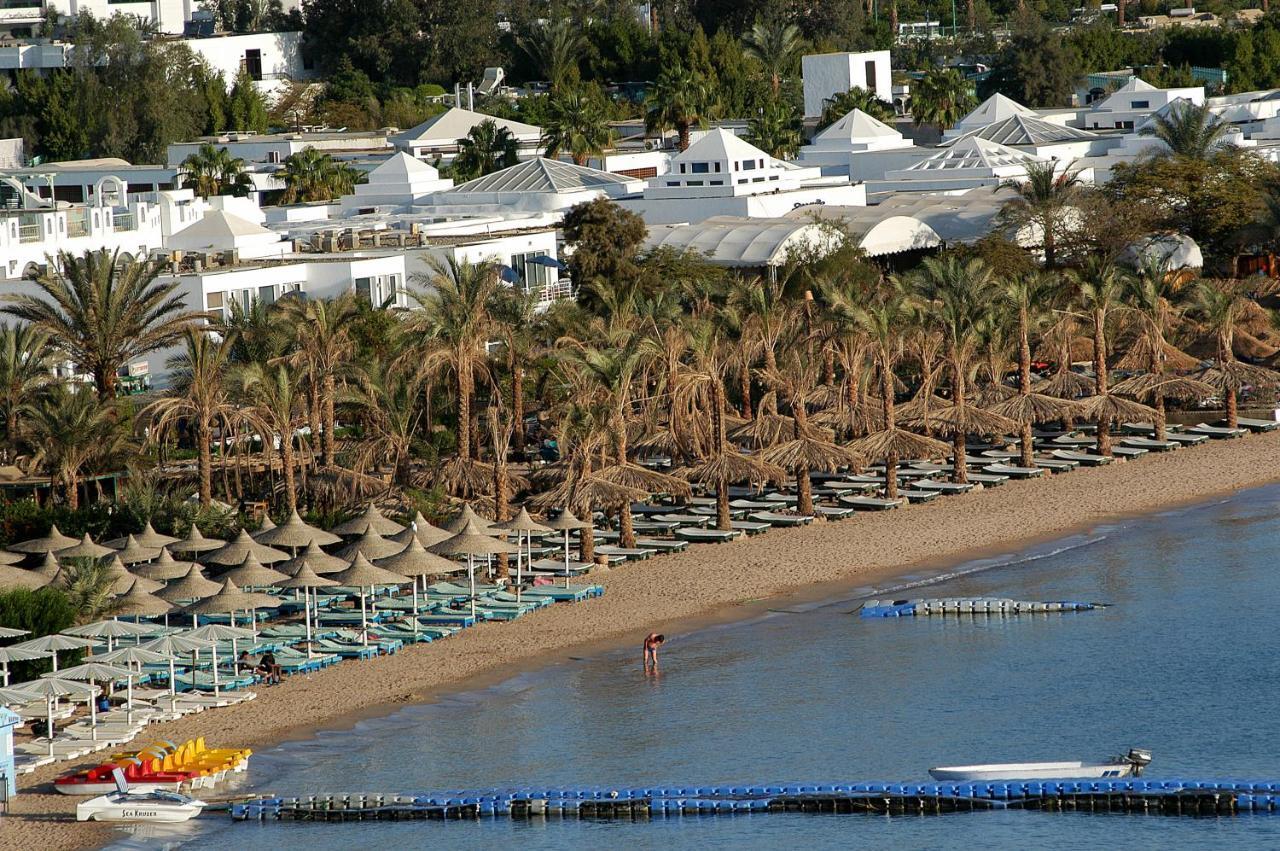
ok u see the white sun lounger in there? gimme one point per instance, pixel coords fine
(1149, 444)
(988, 480)
(1188, 439)
(944, 488)
(707, 536)
(1056, 465)
(1122, 451)
(869, 503)
(773, 518)
(1088, 459)
(1216, 432)
(1254, 424)
(833, 512)
(916, 496)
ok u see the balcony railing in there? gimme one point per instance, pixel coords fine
(123, 221)
(77, 223)
(562, 288)
(29, 229)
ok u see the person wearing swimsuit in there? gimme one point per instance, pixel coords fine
(651, 645)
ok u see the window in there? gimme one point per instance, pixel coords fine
(534, 276)
(253, 64)
(682, 171)
(717, 167)
(213, 301)
(273, 156)
(871, 76)
(748, 165)
(694, 183)
(715, 183)
(267, 294)
(673, 183)
(700, 168)
(1140, 104)
(364, 288)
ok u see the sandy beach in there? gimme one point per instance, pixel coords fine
(678, 593)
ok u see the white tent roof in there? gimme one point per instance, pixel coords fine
(1174, 250)
(857, 126)
(220, 230)
(993, 109)
(453, 124)
(402, 169)
(1027, 130)
(719, 145)
(733, 241)
(542, 175)
(877, 230)
(972, 152)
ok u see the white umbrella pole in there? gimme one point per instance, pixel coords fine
(55, 661)
(471, 574)
(306, 608)
(566, 558)
(519, 577)
(128, 699)
(5, 664)
(213, 651)
(93, 713)
(49, 706)
(364, 618)
(415, 605)
(173, 684)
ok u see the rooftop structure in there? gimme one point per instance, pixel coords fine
(227, 232)
(996, 108)
(854, 133)
(744, 243)
(968, 163)
(400, 181)
(1133, 102)
(829, 74)
(439, 134)
(539, 184)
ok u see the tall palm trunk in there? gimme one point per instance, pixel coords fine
(1026, 438)
(517, 406)
(1161, 422)
(886, 390)
(1233, 408)
(1100, 375)
(959, 470)
(465, 388)
(315, 411)
(682, 135)
(744, 380)
(104, 379)
(204, 452)
(804, 485)
(501, 505)
(327, 448)
(723, 521)
(973, 16)
(287, 460)
(626, 528)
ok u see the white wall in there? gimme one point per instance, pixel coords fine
(828, 74)
(659, 211)
(281, 56)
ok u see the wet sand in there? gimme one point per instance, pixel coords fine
(678, 593)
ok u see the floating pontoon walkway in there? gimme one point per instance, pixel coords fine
(956, 606)
(1158, 797)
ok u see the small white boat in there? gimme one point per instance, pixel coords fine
(131, 805)
(1128, 765)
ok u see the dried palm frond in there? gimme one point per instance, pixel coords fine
(814, 453)
(921, 404)
(642, 478)
(1144, 386)
(991, 394)
(1144, 352)
(765, 430)
(900, 442)
(963, 419)
(1108, 407)
(729, 465)
(589, 491)
(1066, 385)
(1231, 375)
(1033, 408)
(850, 420)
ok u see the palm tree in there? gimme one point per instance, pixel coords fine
(1043, 203)
(200, 397)
(457, 325)
(679, 99)
(74, 430)
(321, 334)
(1188, 130)
(515, 312)
(213, 171)
(485, 149)
(310, 175)
(839, 105)
(89, 586)
(277, 407)
(575, 123)
(775, 129)
(941, 97)
(27, 359)
(777, 47)
(387, 398)
(554, 47)
(104, 312)
(1221, 307)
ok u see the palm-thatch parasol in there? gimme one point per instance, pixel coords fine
(134, 553)
(85, 548)
(421, 530)
(114, 568)
(165, 567)
(50, 543)
(148, 537)
(295, 533)
(1027, 409)
(364, 574)
(251, 573)
(233, 553)
(371, 545)
(229, 599)
(193, 586)
(465, 477)
(464, 516)
(414, 561)
(1066, 384)
(894, 443)
(48, 567)
(267, 525)
(306, 579)
(370, 517)
(726, 467)
(471, 541)
(810, 452)
(197, 543)
(135, 601)
(959, 421)
(525, 526)
(1106, 408)
(7, 557)
(318, 560)
(1155, 388)
(128, 579)
(18, 577)
(921, 404)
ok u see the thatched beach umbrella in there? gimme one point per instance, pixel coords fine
(464, 516)
(1106, 408)
(85, 548)
(164, 567)
(650, 482)
(294, 533)
(414, 561)
(726, 467)
(471, 541)
(810, 452)
(565, 522)
(422, 529)
(18, 577)
(192, 586)
(364, 574)
(525, 526)
(892, 444)
(93, 673)
(135, 553)
(306, 579)
(7, 557)
(959, 421)
(1155, 389)
(370, 517)
(233, 553)
(371, 545)
(319, 561)
(148, 538)
(1028, 409)
(140, 603)
(251, 573)
(196, 543)
(53, 644)
(267, 525)
(49, 567)
(50, 543)
(19, 654)
(1066, 384)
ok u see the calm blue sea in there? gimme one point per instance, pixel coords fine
(1184, 663)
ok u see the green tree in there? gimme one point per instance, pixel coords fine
(310, 175)
(576, 123)
(1036, 68)
(27, 358)
(606, 241)
(104, 311)
(44, 611)
(777, 46)
(278, 408)
(554, 47)
(1188, 130)
(73, 432)
(679, 99)
(214, 171)
(941, 97)
(246, 106)
(838, 106)
(89, 587)
(1044, 203)
(775, 129)
(485, 149)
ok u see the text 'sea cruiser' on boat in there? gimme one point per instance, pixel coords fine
(1127, 765)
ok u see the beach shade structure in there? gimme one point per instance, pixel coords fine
(371, 517)
(251, 573)
(193, 586)
(148, 537)
(1107, 408)
(305, 578)
(525, 527)
(49, 567)
(93, 673)
(52, 644)
(316, 558)
(16, 697)
(124, 579)
(958, 421)
(18, 577)
(371, 545)
(7, 557)
(132, 657)
(140, 603)
(414, 561)
(464, 516)
(228, 600)
(363, 574)
(892, 444)
(1154, 389)
(471, 542)
(422, 529)
(50, 688)
(196, 543)
(18, 654)
(233, 553)
(566, 522)
(171, 646)
(110, 630)
(10, 632)
(1066, 384)
(1028, 409)
(267, 525)
(85, 548)
(164, 568)
(296, 534)
(50, 543)
(135, 553)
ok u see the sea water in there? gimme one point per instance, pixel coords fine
(1184, 662)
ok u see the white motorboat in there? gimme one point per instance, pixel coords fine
(132, 805)
(1128, 765)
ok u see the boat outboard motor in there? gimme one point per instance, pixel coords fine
(1139, 758)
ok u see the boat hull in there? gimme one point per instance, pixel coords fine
(139, 808)
(1032, 771)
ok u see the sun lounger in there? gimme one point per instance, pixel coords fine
(773, 518)
(782, 499)
(750, 527)
(1137, 429)
(1056, 465)
(1127, 452)
(661, 545)
(913, 474)
(1088, 459)
(1184, 439)
(557, 566)
(1001, 454)
(869, 503)
(445, 617)
(1014, 472)
(1253, 424)
(348, 650)
(756, 504)
(916, 496)
(682, 520)
(707, 536)
(572, 594)
(1216, 432)
(943, 488)
(1149, 444)
(988, 480)
(705, 511)
(626, 553)
(650, 527)
(863, 479)
(833, 512)
(1073, 440)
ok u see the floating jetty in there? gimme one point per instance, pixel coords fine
(1155, 797)
(956, 606)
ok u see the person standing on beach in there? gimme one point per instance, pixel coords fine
(651, 645)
